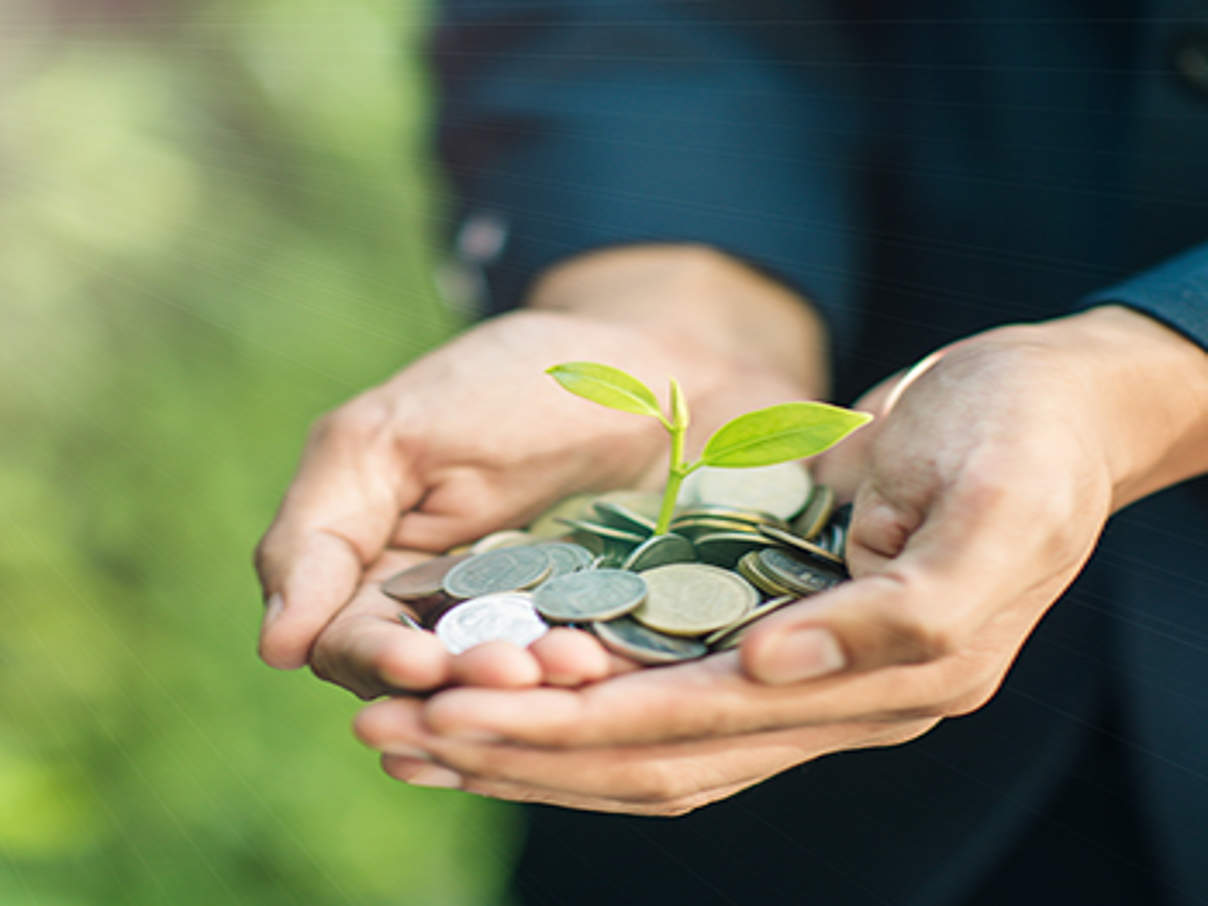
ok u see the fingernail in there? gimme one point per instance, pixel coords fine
(436, 777)
(273, 609)
(801, 655)
(405, 751)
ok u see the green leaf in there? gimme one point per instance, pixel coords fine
(780, 433)
(679, 406)
(607, 386)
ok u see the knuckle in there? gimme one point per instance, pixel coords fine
(360, 419)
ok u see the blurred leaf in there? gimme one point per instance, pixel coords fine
(780, 433)
(607, 386)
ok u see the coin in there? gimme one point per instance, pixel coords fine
(814, 517)
(781, 490)
(834, 539)
(499, 540)
(811, 548)
(801, 574)
(646, 646)
(566, 557)
(508, 615)
(659, 550)
(749, 568)
(599, 530)
(409, 620)
(422, 580)
(693, 598)
(509, 569)
(754, 518)
(599, 594)
(727, 548)
(622, 517)
(694, 526)
(729, 636)
(645, 503)
(578, 506)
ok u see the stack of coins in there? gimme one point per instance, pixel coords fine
(741, 545)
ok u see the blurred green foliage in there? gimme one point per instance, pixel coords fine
(215, 223)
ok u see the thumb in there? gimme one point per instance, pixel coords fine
(336, 518)
(924, 577)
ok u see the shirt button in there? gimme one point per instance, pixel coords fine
(1191, 60)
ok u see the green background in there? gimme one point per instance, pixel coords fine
(216, 221)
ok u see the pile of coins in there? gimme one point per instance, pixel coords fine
(742, 544)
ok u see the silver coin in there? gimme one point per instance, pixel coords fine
(780, 489)
(751, 569)
(622, 517)
(693, 598)
(501, 539)
(409, 620)
(802, 575)
(646, 646)
(510, 569)
(566, 557)
(659, 550)
(599, 530)
(599, 594)
(813, 549)
(422, 580)
(508, 616)
(725, 549)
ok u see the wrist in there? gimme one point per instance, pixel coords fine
(1147, 388)
(721, 314)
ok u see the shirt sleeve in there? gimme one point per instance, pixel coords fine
(1175, 293)
(568, 126)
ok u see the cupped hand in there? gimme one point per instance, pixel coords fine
(475, 437)
(981, 493)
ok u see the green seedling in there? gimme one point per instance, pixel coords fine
(760, 438)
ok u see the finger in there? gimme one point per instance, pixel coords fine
(699, 700)
(635, 774)
(418, 772)
(336, 517)
(367, 649)
(929, 574)
(572, 657)
(499, 664)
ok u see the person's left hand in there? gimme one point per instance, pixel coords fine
(982, 492)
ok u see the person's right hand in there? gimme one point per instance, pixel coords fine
(475, 437)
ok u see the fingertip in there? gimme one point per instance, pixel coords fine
(792, 655)
(285, 645)
(498, 664)
(371, 724)
(570, 657)
(413, 661)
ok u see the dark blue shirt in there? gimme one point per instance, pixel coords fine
(920, 171)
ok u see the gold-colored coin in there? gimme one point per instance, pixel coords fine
(730, 636)
(687, 599)
(817, 512)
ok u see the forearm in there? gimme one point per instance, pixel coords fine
(722, 314)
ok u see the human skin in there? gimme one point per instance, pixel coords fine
(475, 437)
(979, 494)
